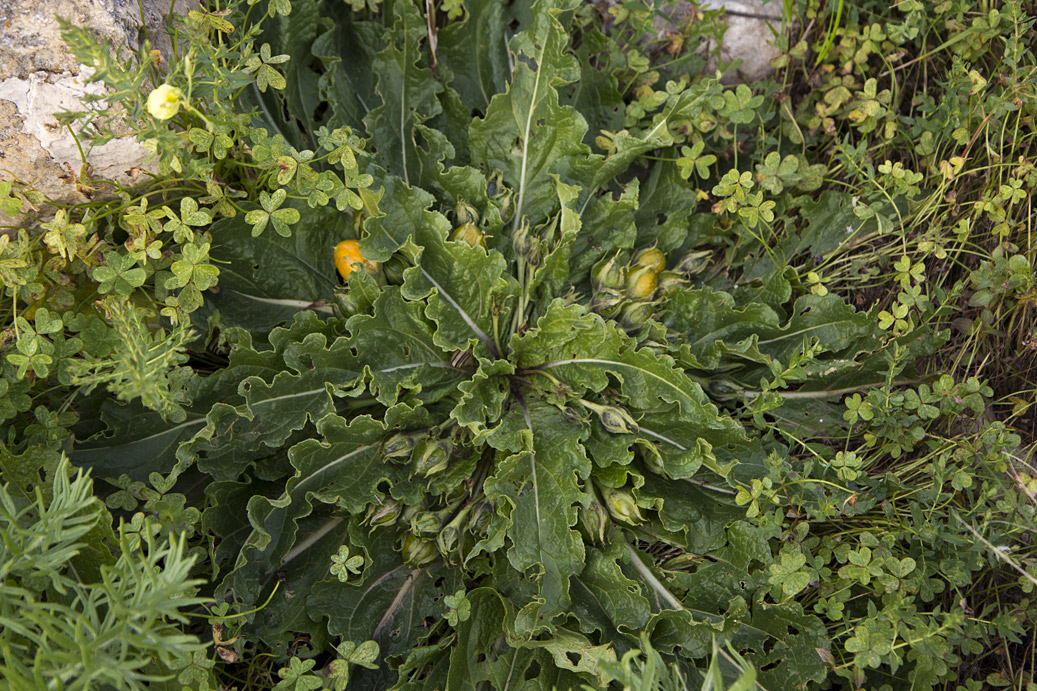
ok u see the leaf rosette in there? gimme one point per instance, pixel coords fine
(481, 424)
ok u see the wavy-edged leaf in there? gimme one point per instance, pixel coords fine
(266, 280)
(585, 353)
(475, 51)
(685, 436)
(525, 132)
(538, 488)
(388, 603)
(606, 601)
(395, 345)
(467, 290)
(483, 395)
(608, 225)
(715, 326)
(784, 644)
(477, 650)
(344, 470)
(698, 514)
(408, 94)
(347, 52)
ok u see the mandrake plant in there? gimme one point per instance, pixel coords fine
(496, 450)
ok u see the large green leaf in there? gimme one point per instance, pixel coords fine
(347, 52)
(714, 326)
(538, 489)
(396, 348)
(475, 52)
(785, 645)
(525, 132)
(586, 353)
(388, 602)
(467, 289)
(408, 94)
(266, 280)
(699, 515)
(344, 470)
(604, 599)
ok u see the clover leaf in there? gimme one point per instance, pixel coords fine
(280, 219)
(343, 565)
(118, 274)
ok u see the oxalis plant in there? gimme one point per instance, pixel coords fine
(490, 455)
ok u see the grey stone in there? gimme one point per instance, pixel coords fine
(39, 77)
(751, 28)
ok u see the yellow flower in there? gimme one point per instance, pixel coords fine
(164, 102)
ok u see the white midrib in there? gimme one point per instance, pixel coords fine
(288, 493)
(284, 302)
(525, 141)
(287, 396)
(403, 112)
(414, 365)
(596, 361)
(328, 466)
(660, 437)
(533, 474)
(464, 315)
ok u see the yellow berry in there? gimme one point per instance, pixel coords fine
(652, 258)
(469, 234)
(641, 283)
(347, 255)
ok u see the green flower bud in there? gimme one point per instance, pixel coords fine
(641, 283)
(418, 552)
(651, 457)
(348, 304)
(383, 514)
(617, 421)
(469, 234)
(613, 419)
(520, 240)
(608, 303)
(394, 268)
(450, 536)
(465, 213)
(692, 263)
(426, 523)
(636, 314)
(594, 522)
(455, 493)
(398, 446)
(479, 519)
(536, 252)
(431, 456)
(608, 274)
(573, 415)
(501, 194)
(670, 281)
(650, 258)
(621, 506)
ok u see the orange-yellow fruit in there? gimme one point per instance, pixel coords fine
(641, 283)
(652, 258)
(469, 234)
(347, 256)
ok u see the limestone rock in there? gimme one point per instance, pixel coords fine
(751, 28)
(39, 77)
